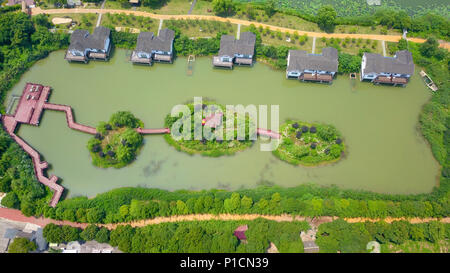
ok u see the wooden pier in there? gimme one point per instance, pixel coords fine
(268, 133)
(190, 65)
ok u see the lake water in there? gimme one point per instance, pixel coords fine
(385, 150)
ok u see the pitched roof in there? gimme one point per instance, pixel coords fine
(300, 60)
(147, 41)
(38, 238)
(230, 46)
(10, 233)
(402, 63)
(239, 232)
(81, 39)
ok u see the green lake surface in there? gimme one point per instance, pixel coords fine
(385, 149)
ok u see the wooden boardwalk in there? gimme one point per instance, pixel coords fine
(29, 110)
(69, 117)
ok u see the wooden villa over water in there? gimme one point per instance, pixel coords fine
(233, 51)
(312, 67)
(151, 48)
(84, 46)
(387, 70)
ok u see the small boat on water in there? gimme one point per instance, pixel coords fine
(428, 82)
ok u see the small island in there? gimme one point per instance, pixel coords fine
(116, 143)
(309, 144)
(214, 147)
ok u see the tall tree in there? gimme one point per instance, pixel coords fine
(326, 18)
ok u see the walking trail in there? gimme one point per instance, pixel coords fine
(16, 215)
(389, 38)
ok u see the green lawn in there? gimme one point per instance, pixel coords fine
(198, 28)
(275, 38)
(352, 46)
(279, 19)
(130, 21)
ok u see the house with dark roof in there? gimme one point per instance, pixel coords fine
(84, 46)
(312, 67)
(235, 51)
(154, 48)
(387, 70)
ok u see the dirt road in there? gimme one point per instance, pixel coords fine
(389, 38)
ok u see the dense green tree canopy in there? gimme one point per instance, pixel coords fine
(326, 18)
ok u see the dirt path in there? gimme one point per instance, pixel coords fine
(16, 215)
(389, 38)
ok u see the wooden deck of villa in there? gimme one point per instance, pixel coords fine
(162, 58)
(99, 56)
(135, 59)
(73, 58)
(391, 80)
(316, 78)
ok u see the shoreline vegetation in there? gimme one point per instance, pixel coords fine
(19, 52)
(116, 143)
(309, 144)
(214, 147)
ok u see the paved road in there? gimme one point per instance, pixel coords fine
(379, 37)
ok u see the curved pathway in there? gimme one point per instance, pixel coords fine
(389, 38)
(16, 215)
